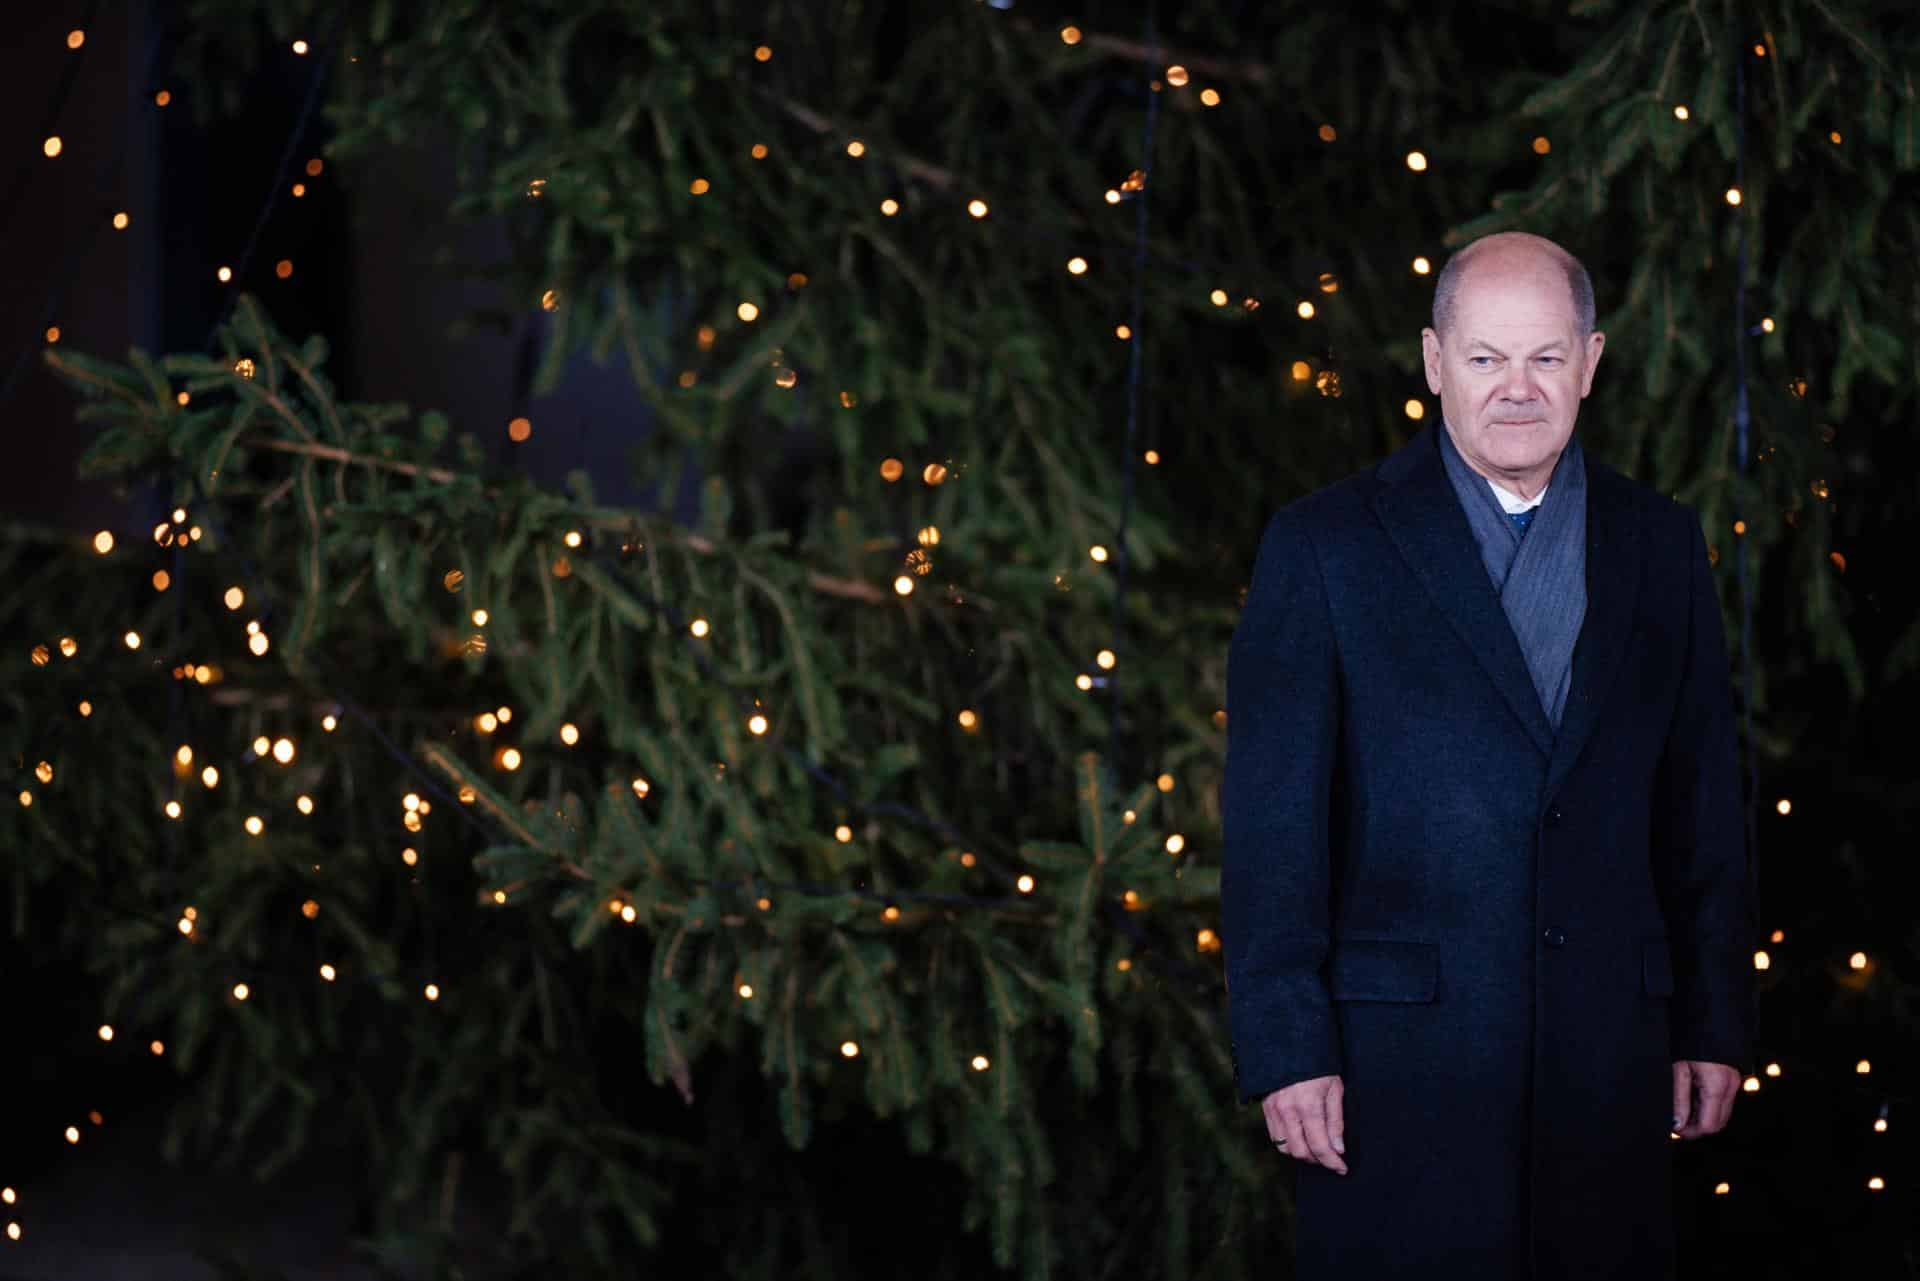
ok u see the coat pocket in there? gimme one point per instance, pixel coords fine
(1382, 970)
(1656, 967)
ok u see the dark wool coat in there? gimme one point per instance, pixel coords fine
(1500, 937)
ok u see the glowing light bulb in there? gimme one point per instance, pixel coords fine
(1417, 161)
(747, 312)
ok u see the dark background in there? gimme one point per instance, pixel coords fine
(369, 249)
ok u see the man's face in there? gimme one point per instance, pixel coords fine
(1511, 370)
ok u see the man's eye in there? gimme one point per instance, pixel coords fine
(1480, 362)
(1550, 361)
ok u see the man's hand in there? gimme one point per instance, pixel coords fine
(1307, 1115)
(1703, 1096)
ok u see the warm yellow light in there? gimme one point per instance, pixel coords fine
(1218, 297)
(1077, 265)
(570, 733)
(1210, 97)
(106, 1031)
(73, 1134)
(1416, 410)
(240, 991)
(1024, 885)
(510, 759)
(850, 1049)
(757, 724)
(1176, 75)
(1733, 195)
(410, 856)
(978, 208)
(224, 274)
(1152, 456)
(1069, 35)
(1112, 196)
(300, 47)
(433, 991)
(1541, 146)
(172, 809)
(1876, 1184)
(132, 640)
(968, 718)
(283, 750)
(1863, 1067)
(1164, 782)
(1105, 658)
(480, 617)
(504, 713)
(262, 745)
(1773, 1069)
(210, 777)
(1123, 332)
(1680, 111)
(903, 585)
(759, 151)
(51, 146)
(1721, 1189)
(1305, 310)
(1328, 133)
(1083, 682)
(103, 541)
(1176, 843)
(254, 825)
(184, 925)
(1834, 137)
(1858, 960)
(856, 148)
(1098, 552)
(889, 206)
(1301, 371)
(519, 429)
(1751, 1085)
(628, 915)
(746, 991)
(890, 914)
(699, 186)
(1417, 161)
(328, 973)
(763, 54)
(747, 312)
(1784, 805)
(1761, 961)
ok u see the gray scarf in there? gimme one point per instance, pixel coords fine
(1541, 578)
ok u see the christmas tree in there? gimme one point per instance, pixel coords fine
(826, 879)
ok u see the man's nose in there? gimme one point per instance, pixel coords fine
(1518, 384)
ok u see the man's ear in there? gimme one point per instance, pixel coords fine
(1430, 355)
(1596, 341)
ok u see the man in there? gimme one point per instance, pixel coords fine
(1485, 901)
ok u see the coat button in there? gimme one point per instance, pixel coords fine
(1555, 936)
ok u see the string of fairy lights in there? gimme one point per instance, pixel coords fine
(183, 532)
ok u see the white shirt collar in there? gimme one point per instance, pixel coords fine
(1511, 502)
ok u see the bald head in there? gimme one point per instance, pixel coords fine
(1505, 254)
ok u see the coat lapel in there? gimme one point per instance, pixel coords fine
(1613, 583)
(1422, 515)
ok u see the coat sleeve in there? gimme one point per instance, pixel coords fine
(1700, 847)
(1282, 732)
